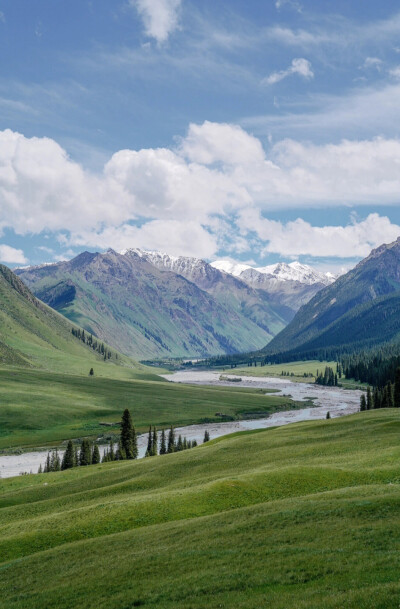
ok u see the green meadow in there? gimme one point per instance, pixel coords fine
(297, 369)
(305, 516)
(41, 408)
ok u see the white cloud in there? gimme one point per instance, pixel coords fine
(373, 62)
(299, 66)
(395, 72)
(291, 3)
(186, 200)
(160, 17)
(11, 255)
(300, 238)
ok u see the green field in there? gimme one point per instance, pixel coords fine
(39, 407)
(298, 369)
(305, 516)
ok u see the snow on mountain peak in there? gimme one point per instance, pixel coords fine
(281, 271)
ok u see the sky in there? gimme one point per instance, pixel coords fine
(256, 131)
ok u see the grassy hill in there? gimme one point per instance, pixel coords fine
(32, 335)
(302, 516)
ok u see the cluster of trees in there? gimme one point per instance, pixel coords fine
(328, 377)
(86, 454)
(385, 397)
(92, 342)
(375, 366)
(127, 448)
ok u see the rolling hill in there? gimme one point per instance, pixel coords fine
(361, 309)
(299, 516)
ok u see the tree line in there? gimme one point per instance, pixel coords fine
(90, 341)
(127, 448)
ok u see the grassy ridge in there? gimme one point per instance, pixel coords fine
(40, 407)
(306, 515)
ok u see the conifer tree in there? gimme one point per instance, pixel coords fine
(179, 445)
(95, 455)
(171, 440)
(206, 436)
(68, 457)
(149, 450)
(127, 436)
(154, 447)
(363, 403)
(163, 447)
(91, 372)
(111, 452)
(390, 401)
(328, 415)
(85, 455)
(40, 470)
(76, 457)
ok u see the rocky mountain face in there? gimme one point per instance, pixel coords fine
(144, 307)
(362, 308)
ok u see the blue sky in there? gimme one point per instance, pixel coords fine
(257, 131)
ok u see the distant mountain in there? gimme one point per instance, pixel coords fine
(360, 309)
(151, 305)
(281, 272)
(33, 335)
(290, 285)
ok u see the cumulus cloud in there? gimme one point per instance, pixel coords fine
(185, 200)
(10, 255)
(299, 66)
(160, 17)
(300, 238)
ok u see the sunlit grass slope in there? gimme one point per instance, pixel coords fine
(40, 407)
(304, 516)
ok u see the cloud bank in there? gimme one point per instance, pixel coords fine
(213, 189)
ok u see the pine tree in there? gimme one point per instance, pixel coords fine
(206, 436)
(363, 403)
(179, 445)
(111, 452)
(40, 470)
(396, 399)
(91, 372)
(163, 447)
(171, 440)
(328, 415)
(154, 448)
(95, 455)
(390, 401)
(128, 436)
(149, 450)
(85, 455)
(68, 458)
(76, 457)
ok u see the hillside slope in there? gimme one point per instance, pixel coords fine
(33, 335)
(241, 522)
(147, 312)
(360, 309)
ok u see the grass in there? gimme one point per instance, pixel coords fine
(296, 371)
(304, 516)
(39, 408)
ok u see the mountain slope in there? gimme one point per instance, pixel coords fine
(33, 335)
(230, 291)
(360, 309)
(144, 311)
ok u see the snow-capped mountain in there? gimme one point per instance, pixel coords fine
(295, 271)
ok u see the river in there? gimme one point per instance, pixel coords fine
(337, 401)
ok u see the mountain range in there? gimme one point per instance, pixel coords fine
(149, 304)
(360, 309)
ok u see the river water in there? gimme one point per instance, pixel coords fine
(337, 401)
